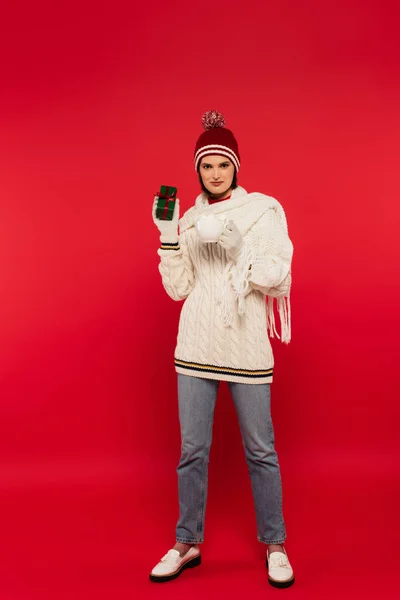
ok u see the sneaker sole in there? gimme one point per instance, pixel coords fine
(193, 562)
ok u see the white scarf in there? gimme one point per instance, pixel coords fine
(236, 276)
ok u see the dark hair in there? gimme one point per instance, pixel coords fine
(233, 185)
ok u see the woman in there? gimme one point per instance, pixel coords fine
(223, 337)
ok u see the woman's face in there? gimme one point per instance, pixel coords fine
(217, 174)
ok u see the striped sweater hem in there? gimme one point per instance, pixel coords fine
(221, 373)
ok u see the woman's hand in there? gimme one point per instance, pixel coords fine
(167, 229)
(232, 240)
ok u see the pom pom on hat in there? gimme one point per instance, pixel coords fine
(216, 140)
(211, 119)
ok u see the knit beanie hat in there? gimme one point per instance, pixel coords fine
(216, 139)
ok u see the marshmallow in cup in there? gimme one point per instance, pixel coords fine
(210, 227)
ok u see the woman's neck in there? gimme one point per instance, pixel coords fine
(219, 197)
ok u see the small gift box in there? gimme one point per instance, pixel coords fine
(166, 202)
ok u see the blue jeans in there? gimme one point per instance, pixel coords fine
(197, 398)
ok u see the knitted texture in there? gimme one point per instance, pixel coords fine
(216, 140)
(224, 322)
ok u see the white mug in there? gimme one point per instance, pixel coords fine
(210, 227)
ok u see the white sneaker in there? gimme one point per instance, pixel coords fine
(172, 564)
(280, 572)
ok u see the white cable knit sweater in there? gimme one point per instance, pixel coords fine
(224, 322)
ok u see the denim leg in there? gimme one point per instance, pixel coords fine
(196, 397)
(252, 403)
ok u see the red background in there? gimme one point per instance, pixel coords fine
(100, 104)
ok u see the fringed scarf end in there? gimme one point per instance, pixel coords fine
(240, 279)
(284, 312)
(235, 288)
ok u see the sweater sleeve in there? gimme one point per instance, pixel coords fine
(270, 257)
(264, 264)
(176, 267)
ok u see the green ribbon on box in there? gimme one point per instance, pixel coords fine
(166, 202)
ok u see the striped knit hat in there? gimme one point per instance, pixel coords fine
(216, 139)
